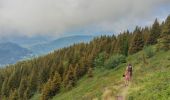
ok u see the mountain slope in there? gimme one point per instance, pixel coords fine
(92, 70)
(58, 43)
(11, 53)
(150, 81)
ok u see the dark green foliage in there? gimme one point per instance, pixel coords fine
(149, 51)
(146, 32)
(4, 91)
(114, 61)
(164, 41)
(80, 70)
(137, 43)
(1, 81)
(99, 60)
(122, 43)
(51, 87)
(22, 88)
(70, 78)
(155, 33)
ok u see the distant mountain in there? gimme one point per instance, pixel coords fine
(11, 53)
(59, 43)
(26, 41)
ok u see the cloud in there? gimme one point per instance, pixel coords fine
(33, 17)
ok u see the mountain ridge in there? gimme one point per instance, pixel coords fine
(13, 52)
(59, 43)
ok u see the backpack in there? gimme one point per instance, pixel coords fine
(129, 68)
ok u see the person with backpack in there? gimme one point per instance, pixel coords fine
(126, 77)
(130, 71)
(128, 74)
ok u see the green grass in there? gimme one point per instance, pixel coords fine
(89, 88)
(150, 81)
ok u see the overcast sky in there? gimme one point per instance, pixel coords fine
(58, 17)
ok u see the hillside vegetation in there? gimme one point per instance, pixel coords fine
(150, 81)
(94, 69)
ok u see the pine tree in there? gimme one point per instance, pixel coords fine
(79, 70)
(32, 85)
(137, 43)
(1, 81)
(22, 88)
(155, 33)
(164, 41)
(55, 84)
(46, 90)
(146, 34)
(70, 79)
(51, 87)
(4, 90)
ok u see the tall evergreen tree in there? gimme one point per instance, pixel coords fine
(155, 33)
(146, 33)
(22, 88)
(164, 41)
(51, 87)
(70, 79)
(137, 43)
(4, 90)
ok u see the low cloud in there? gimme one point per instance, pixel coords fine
(34, 17)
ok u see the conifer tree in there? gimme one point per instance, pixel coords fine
(55, 84)
(4, 90)
(32, 85)
(137, 43)
(164, 41)
(22, 88)
(146, 34)
(51, 87)
(46, 90)
(155, 33)
(122, 44)
(1, 81)
(70, 79)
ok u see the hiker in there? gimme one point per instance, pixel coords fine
(130, 70)
(128, 74)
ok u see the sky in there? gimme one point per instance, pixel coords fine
(68, 17)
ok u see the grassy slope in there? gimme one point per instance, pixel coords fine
(150, 82)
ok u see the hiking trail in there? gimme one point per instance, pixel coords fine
(120, 95)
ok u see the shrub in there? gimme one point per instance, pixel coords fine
(114, 61)
(99, 60)
(149, 52)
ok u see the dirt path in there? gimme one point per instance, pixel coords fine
(122, 93)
